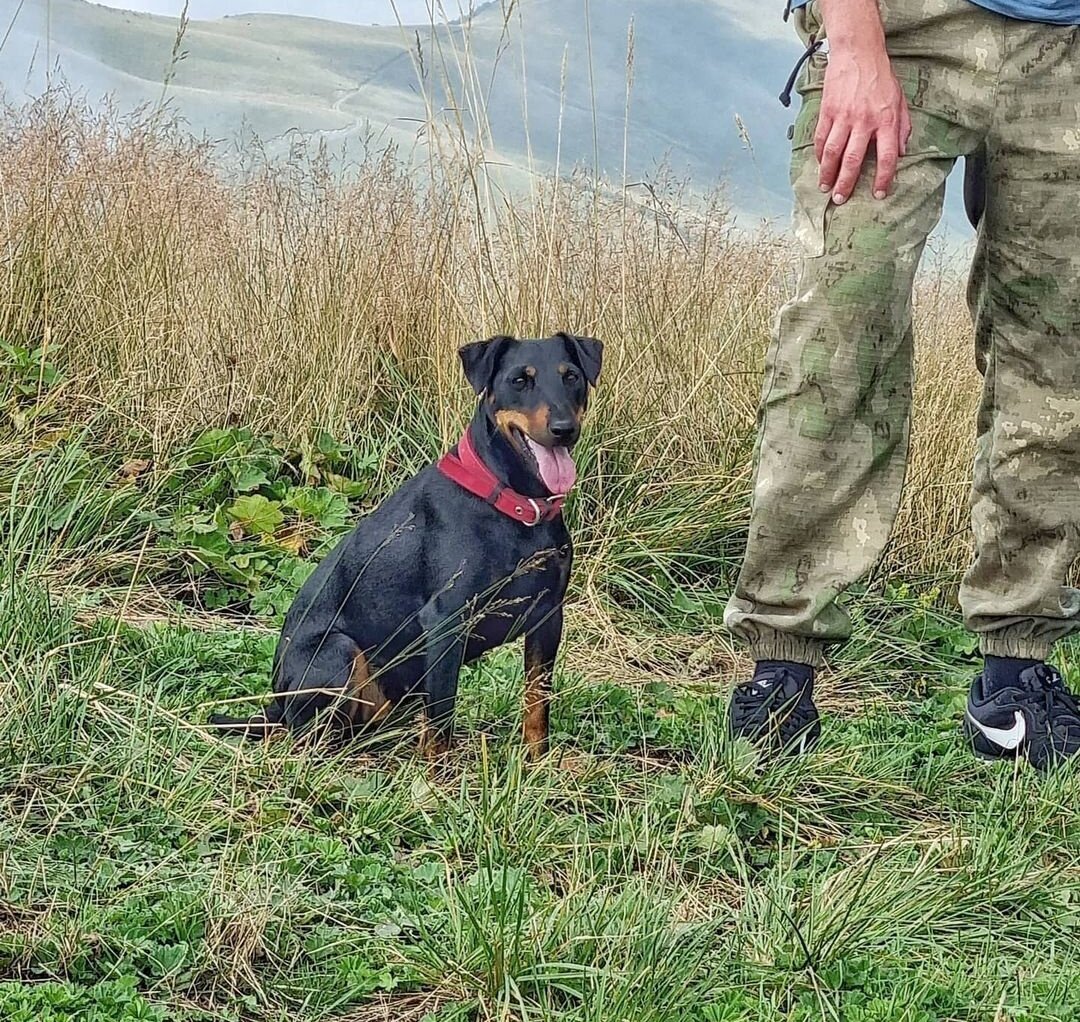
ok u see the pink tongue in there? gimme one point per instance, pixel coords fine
(557, 470)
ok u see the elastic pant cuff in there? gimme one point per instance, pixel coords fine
(1018, 647)
(795, 649)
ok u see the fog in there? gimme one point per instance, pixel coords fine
(359, 12)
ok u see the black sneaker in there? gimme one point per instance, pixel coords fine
(1038, 718)
(775, 711)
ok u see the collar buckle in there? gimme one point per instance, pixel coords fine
(537, 512)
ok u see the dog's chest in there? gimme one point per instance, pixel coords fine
(516, 597)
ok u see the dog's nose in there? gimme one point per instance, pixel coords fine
(564, 430)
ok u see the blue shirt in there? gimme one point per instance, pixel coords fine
(1049, 12)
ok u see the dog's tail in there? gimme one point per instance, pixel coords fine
(254, 729)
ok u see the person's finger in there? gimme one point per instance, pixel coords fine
(886, 152)
(904, 127)
(821, 133)
(850, 165)
(832, 152)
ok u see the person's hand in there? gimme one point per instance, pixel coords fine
(862, 105)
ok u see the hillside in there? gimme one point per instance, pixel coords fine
(695, 68)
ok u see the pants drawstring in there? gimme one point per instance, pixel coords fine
(814, 45)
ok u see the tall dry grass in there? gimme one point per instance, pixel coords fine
(300, 295)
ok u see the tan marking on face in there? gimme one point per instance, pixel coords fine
(537, 702)
(530, 372)
(538, 420)
(532, 423)
(507, 419)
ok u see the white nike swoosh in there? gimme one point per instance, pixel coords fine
(1006, 739)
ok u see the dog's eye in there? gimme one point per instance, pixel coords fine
(520, 382)
(570, 376)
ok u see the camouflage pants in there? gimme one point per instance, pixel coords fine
(834, 418)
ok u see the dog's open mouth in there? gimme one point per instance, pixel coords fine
(553, 465)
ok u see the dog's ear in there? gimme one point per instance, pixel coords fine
(588, 352)
(480, 359)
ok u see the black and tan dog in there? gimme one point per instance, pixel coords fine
(467, 555)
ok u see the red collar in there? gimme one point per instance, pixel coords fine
(470, 473)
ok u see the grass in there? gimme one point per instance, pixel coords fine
(205, 383)
(647, 870)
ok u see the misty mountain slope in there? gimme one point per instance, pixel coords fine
(278, 73)
(694, 69)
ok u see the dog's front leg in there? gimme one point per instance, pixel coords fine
(445, 638)
(541, 648)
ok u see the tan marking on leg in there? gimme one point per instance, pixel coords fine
(432, 747)
(363, 699)
(537, 702)
(374, 703)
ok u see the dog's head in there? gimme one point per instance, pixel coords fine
(536, 393)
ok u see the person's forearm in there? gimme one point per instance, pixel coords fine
(853, 26)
